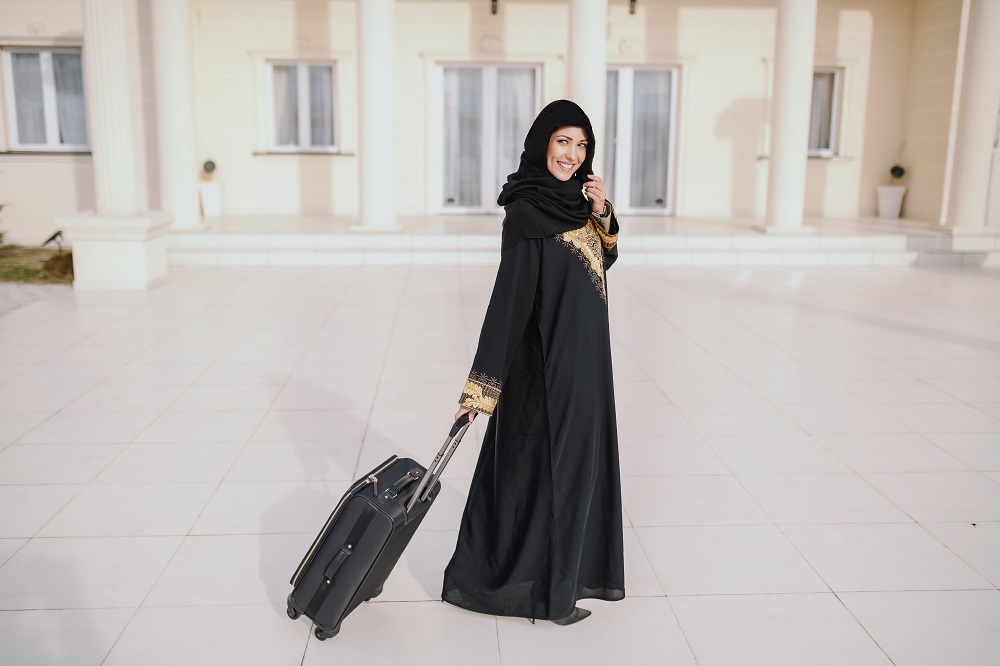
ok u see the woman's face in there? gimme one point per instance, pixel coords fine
(567, 151)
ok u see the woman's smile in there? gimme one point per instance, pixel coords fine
(567, 151)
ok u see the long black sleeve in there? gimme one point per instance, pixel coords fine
(508, 313)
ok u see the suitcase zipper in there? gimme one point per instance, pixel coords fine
(371, 478)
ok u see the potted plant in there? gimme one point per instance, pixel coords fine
(211, 193)
(890, 197)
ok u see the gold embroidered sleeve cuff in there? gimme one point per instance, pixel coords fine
(608, 240)
(480, 393)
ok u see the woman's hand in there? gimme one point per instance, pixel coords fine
(466, 410)
(596, 192)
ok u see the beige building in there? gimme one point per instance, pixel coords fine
(381, 110)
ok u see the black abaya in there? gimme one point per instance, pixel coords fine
(542, 527)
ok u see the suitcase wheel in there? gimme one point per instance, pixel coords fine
(323, 635)
(374, 594)
(294, 614)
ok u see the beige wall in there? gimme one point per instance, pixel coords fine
(929, 100)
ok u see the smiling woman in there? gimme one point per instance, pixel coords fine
(543, 525)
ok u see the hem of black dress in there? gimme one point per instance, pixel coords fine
(488, 611)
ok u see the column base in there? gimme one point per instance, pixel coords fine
(117, 252)
(774, 230)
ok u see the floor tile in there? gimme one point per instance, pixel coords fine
(90, 428)
(689, 500)
(230, 570)
(978, 544)
(241, 374)
(101, 572)
(156, 374)
(35, 398)
(16, 424)
(270, 507)
(663, 456)
(296, 461)
(25, 509)
(774, 629)
(991, 409)
(891, 453)
(226, 397)
(125, 398)
(726, 560)
(740, 419)
(941, 496)
(775, 454)
(203, 427)
(897, 391)
(259, 635)
(433, 633)
(866, 558)
(931, 628)
(929, 419)
(312, 426)
(640, 579)
(980, 451)
(825, 419)
(297, 395)
(130, 510)
(969, 390)
(55, 463)
(56, 637)
(8, 547)
(634, 630)
(171, 463)
(820, 498)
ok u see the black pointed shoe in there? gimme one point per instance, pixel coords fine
(574, 617)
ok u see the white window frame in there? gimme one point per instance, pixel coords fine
(52, 143)
(490, 181)
(838, 85)
(305, 126)
(623, 152)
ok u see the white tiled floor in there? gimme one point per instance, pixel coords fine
(811, 461)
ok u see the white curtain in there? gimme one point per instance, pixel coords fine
(463, 131)
(28, 98)
(820, 123)
(650, 138)
(515, 111)
(70, 107)
(321, 105)
(286, 105)
(610, 133)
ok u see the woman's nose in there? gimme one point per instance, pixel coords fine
(572, 154)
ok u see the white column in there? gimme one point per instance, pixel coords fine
(588, 65)
(376, 115)
(795, 44)
(174, 77)
(109, 107)
(120, 246)
(977, 120)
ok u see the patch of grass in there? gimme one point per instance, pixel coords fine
(25, 264)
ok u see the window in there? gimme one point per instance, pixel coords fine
(46, 109)
(639, 138)
(487, 112)
(823, 124)
(303, 100)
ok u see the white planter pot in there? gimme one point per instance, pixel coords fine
(211, 199)
(890, 200)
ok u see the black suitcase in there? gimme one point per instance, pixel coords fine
(365, 536)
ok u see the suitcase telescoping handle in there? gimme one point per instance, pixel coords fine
(440, 461)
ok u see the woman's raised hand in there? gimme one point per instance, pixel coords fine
(466, 410)
(597, 193)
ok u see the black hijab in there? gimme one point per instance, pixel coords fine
(537, 204)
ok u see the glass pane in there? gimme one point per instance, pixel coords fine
(463, 132)
(321, 105)
(610, 133)
(821, 122)
(286, 106)
(650, 138)
(70, 107)
(515, 111)
(28, 97)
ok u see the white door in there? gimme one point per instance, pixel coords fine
(639, 139)
(487, 112)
